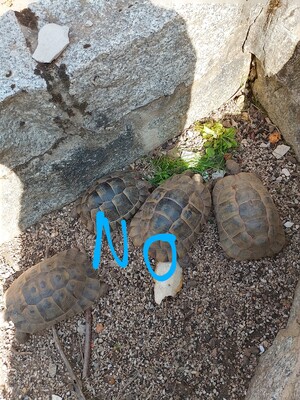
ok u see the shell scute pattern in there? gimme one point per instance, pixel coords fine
(118, 195)
(52, 290)
(180, 206)
(248, 221)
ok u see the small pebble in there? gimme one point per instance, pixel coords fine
(240, 101)
(264, 145)
(88, 23)
(280, 151)
(254, 350)
(55, 397)
(111, 380)
(52, 370)
(261, 349)
(285, 172)
(288, 224)
(80, 328)
(218, 174)
(205, 176)
(214, 352)
(227, 123)
(192, 284)
(291, 159)
(245, 361)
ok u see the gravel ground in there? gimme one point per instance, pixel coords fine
(203, 344)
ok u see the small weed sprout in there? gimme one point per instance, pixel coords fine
(165, 167)
(217, 140)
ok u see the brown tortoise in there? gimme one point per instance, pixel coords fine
(119, 195)
(248, 222)
(179, 206)
(51, 291)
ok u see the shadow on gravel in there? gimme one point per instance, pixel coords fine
(34, 370)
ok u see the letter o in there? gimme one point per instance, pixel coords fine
(164, 237)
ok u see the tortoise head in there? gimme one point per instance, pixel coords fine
(232, 167)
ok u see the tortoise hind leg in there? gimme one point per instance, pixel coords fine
(22, 337)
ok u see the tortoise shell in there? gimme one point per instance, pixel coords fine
(51, 291)
(118, 195)
(248, 222)
(180, 206)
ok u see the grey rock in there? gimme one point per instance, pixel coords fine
(280, 96)
(276, 31)
(277, 375)
(16, 64)
(133, 77)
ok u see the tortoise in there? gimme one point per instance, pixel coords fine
(51, 291)
(179, 206)
(119, 195)
(248, 222)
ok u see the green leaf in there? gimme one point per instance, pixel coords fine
(210, 152)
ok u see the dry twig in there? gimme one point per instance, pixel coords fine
(76, 382)
(87, 344)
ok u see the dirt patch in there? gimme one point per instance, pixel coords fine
(27, 18)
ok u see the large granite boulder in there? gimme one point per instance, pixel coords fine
(277, 376)
(134, 74)
(274, 39)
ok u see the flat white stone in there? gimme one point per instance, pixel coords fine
(285, 172)
(55, 397)
(218, 174)
(169, 287)
(288, 224)
(280, 151)
(88, 23)
(52, 40)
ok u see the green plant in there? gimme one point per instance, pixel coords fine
(216, 136)
(165, 167)
(217, 141)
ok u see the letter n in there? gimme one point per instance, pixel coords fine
(102, 222)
